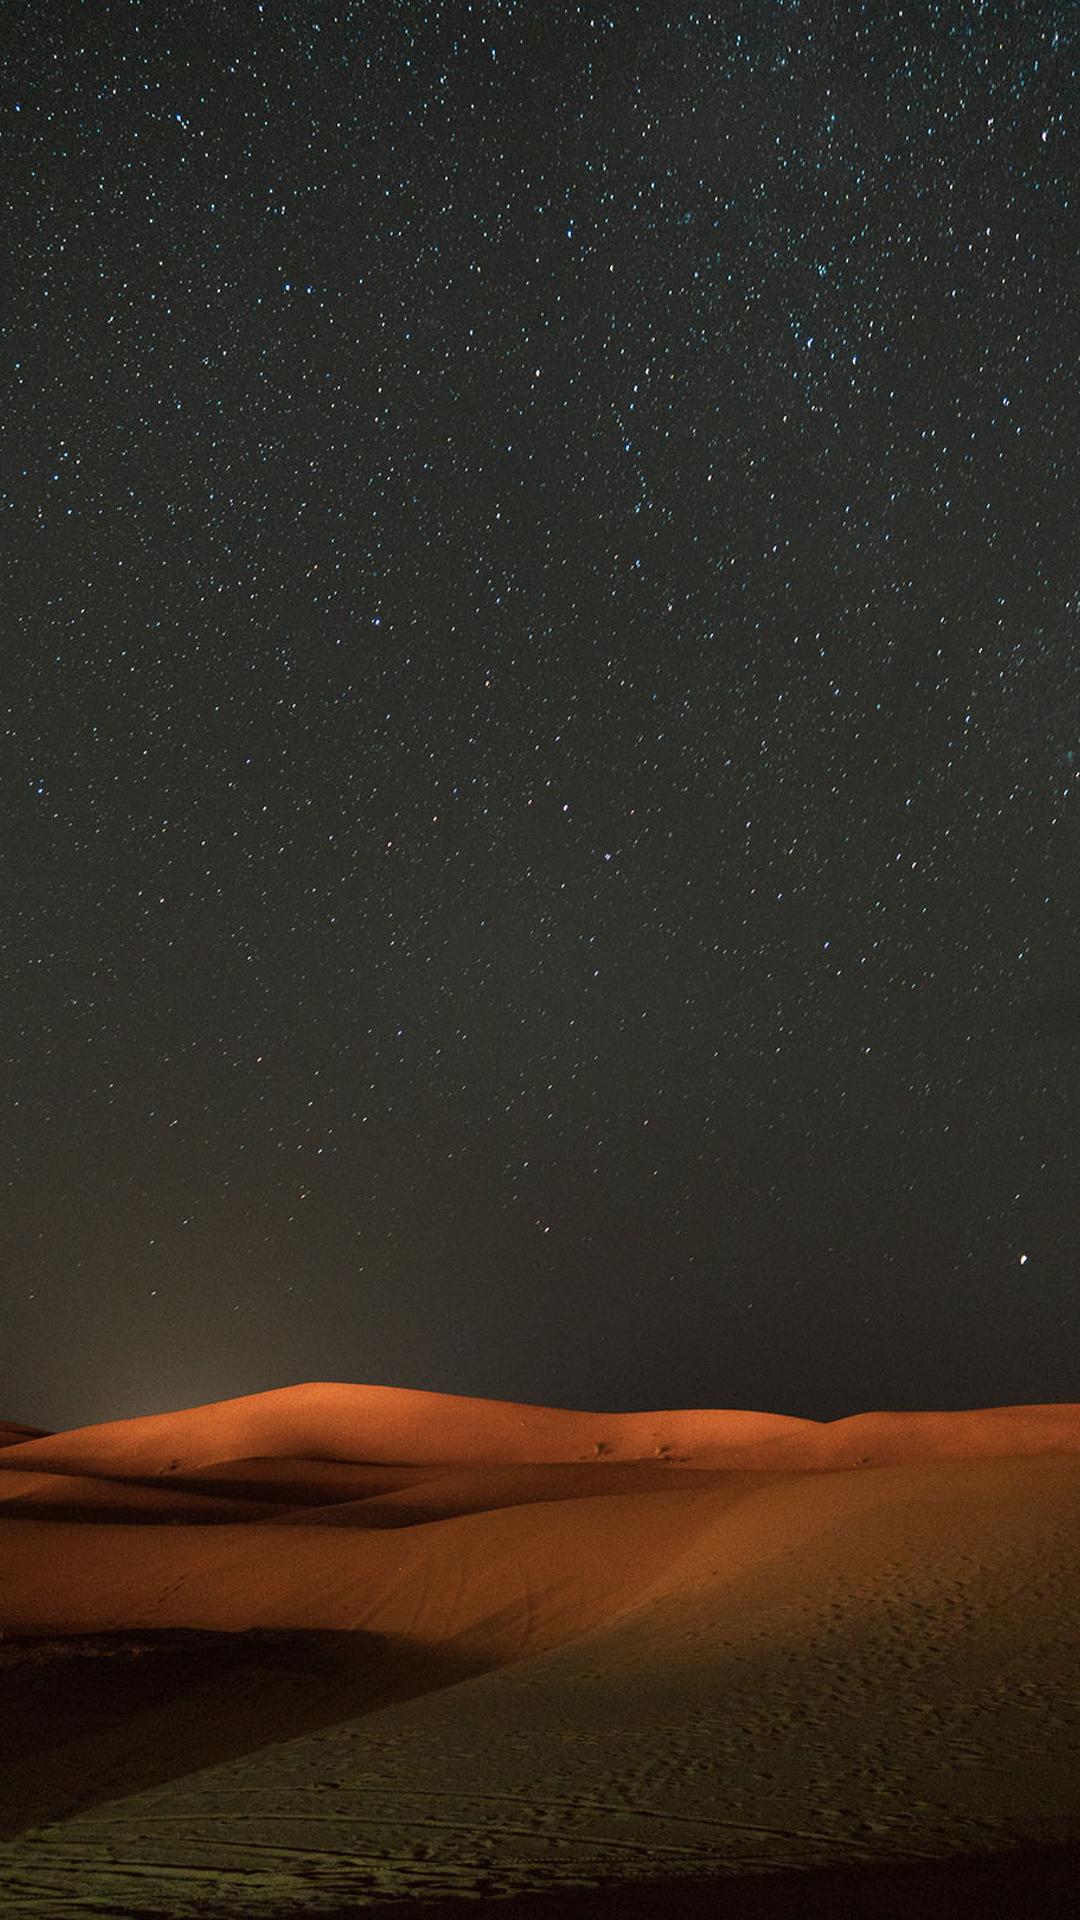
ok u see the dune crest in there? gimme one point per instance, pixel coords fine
(12, 1432)
(335, 1420)
(333, 1641)
(403, 1426)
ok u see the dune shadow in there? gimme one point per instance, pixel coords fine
(95, 1717)
(1027, 1883)
(87, 1513)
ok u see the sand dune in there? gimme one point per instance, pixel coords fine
(337, 1421)
(12, 1431)
(894, 1439)
(331, 1644)
(397, 1426)
(87, 1496)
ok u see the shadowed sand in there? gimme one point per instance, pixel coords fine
(12, 1432)
(320, 1648)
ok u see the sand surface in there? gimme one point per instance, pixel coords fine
(336, 1645)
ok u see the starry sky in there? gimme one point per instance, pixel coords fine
(540, 704)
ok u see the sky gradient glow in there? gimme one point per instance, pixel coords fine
(542, 701)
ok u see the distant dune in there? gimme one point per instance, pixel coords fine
(400, 1426)
(394, 1426)
(11, 1431)
(336, 1643)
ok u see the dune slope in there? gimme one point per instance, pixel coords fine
(393, 1426)
(475, 1672)
(339, 1421)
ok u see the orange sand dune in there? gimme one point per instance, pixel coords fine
(327, 1645)
(441, 1493)
(496, 1581)
(494, 1584)
(391, 1425)
(12, 1431)
(87, 1496)
(310, 1482)
(891, 1439)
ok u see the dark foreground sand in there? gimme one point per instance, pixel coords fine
(317, 1651)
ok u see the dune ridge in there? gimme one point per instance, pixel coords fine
(337, 1643)
(14, 1431)
(340, 1421)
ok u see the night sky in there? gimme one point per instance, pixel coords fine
(540, 702)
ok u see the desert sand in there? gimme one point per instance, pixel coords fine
(320, 1649)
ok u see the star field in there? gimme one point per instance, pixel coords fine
(542, 702)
